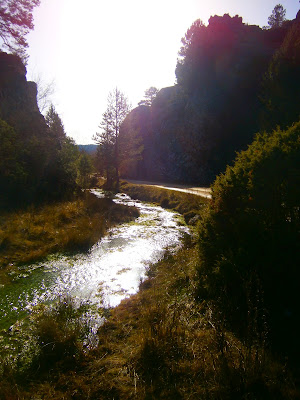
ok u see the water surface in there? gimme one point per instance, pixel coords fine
(109, 272)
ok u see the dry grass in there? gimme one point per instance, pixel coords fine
(162, 344)
(189, 205)
(27, 236)
(167, 346)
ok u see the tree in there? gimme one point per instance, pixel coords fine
(85, 168)
(149, 96)
(280, 93)
(249, 238)
(45, 91)
(13, 174)
(55, 124)
(191, 36)
(61, 170)
(16, 20)
(104, 139)
(108, 139)
(189, 51)
(277, 17)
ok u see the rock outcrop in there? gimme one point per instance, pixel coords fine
(18, 105)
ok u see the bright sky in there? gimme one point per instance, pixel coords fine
(89, 47)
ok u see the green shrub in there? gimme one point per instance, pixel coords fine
(249, 238)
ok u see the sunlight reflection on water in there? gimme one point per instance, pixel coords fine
(109, 272)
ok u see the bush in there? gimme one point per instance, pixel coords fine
(249, 238)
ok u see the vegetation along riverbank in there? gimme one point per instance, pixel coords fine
(187, 204)
(162, 343)
(218, 319)
(67, 226)
(159, 344)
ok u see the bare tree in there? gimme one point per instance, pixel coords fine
(45, 90)
(108, 139)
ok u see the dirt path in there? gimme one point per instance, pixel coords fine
(198, 191)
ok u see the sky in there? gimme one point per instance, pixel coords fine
(87, 48)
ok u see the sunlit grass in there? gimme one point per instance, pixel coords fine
(187, 204)
(162, 343)
(30, 235)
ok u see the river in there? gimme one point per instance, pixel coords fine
(111, 271)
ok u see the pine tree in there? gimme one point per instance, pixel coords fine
(55, 125)
(277, 17)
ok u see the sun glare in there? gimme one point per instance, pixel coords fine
(133, 44)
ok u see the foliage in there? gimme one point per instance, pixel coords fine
(44, 158)
(105, 150)
(61, 172)
(85, 168)
(189, 46)
(12, 171)
(193, 129)
(108, 139)
(149, 96)
(53, 338)
(280, 93)
(277, 17)
(249, 238)
(16, 20)
(55, 124)
(158, 344)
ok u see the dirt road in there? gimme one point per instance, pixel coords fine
(198, 191)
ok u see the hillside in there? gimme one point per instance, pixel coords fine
(193, 130)
(88, 148)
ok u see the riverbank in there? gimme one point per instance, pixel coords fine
(187, 204)
(30, 235)
(158, 344)
(195, 190)
(161, 343)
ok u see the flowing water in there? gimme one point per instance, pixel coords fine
(109, 272)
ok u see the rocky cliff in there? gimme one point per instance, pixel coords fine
(18, 97)
(32, 160)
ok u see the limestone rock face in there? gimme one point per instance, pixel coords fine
(18, 98)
